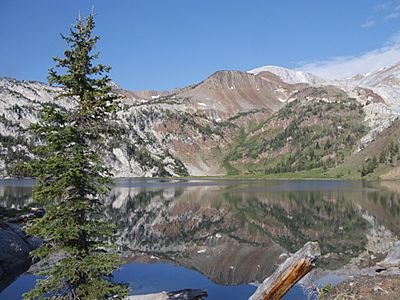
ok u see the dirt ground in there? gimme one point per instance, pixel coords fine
(377, 287)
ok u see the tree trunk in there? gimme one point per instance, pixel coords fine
(288, 273)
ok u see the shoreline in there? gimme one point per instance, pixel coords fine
(236, 177)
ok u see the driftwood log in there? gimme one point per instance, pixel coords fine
(288, 273)
(178, 295)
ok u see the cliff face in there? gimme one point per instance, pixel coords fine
(150, 129)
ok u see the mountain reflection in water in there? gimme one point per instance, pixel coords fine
(238, 231)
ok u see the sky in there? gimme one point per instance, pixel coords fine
(167, 44)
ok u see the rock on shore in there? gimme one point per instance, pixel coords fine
(15, 246)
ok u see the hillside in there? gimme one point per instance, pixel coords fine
(378, 159)
(317, 129)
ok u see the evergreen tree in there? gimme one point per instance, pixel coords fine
(72, 181)
(382, 157)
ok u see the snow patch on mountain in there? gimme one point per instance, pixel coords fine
(386, 83)
(289, 76)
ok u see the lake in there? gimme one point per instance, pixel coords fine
(222, 235)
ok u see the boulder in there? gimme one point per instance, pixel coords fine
(15, 246)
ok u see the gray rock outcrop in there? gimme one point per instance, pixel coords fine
(15, 246)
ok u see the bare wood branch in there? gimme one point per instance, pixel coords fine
(288, 273)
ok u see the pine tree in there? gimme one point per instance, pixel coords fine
(382, 157)
(72, 181)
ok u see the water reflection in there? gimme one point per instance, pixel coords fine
(15, 193)
(237, 231)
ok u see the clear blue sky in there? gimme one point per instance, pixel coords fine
(171, 43)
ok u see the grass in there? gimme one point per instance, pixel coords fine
(308, 174)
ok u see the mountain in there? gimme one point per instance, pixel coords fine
(232, 122)
(164, 134)
(377, 92)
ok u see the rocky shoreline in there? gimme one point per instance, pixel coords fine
(373, 274)
(379, 287)
(365, 277)
(15, 245)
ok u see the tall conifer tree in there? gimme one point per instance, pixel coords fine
(72, 181)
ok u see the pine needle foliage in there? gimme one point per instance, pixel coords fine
(72, 180)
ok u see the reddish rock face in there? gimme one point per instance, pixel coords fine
(227, 93)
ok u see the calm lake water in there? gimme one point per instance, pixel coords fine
(221, 235)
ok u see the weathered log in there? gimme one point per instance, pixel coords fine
(177, 295)
(288, 273)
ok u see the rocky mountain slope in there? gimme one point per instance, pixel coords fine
(164, 134)
(385, 82)
(229, 123)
